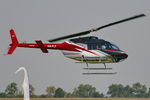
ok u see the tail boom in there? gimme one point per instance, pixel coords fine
(39, 44)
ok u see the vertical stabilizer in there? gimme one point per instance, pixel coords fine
(14, 42)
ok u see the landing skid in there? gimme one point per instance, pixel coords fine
(97, 68)
(99, 73)
(96, 73)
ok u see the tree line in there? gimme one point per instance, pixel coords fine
(137, 90)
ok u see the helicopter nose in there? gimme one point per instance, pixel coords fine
(124, 56)
(121, 57)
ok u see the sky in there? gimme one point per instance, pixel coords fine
(47, 19)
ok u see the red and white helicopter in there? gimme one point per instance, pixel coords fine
(88, 49)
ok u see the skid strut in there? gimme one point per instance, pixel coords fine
(98, 73)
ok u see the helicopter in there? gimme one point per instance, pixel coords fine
(88, 49)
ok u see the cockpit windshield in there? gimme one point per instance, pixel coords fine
(114, 47)
(102, 45)
(94, 43)
(110, 46)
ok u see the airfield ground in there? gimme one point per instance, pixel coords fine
(77, 98)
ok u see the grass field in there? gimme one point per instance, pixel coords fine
(77, 98)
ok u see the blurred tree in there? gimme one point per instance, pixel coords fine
(85, 91)
(31, 90)
(116, 90)
(128, 91)
(68, 95)
(59, 93)
(42, 96)
(20, 94)
(3, 95)
(11, 90)
(97, 95)
(50, 91)
(139, 90)
(148, 93)
(74, 93)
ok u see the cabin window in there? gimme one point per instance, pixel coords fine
(106, 45)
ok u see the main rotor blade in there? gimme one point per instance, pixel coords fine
(121, 21)
(96, 29)
(69, 36)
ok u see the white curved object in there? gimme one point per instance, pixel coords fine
(25, 83)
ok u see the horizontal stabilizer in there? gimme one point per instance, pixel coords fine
(41, 45)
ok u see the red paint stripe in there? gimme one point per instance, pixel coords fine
(75, 47)
(112, 50)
